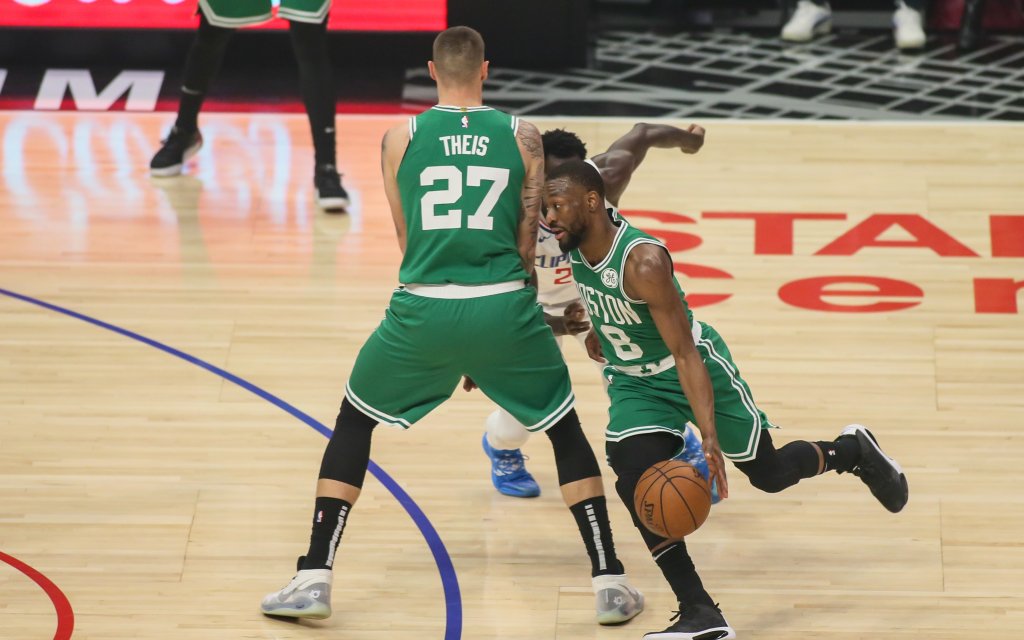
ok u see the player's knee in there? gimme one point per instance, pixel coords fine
(348, 452)
(769, 480)
(573, 456)
(504, 431)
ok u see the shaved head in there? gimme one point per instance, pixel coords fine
(458, 55)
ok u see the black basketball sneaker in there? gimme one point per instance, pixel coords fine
(177, 148)
(695, 622)
(882, 474)
(330, 195)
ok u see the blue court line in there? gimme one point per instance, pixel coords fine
(449, 581)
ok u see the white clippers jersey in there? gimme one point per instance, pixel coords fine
(555, 286)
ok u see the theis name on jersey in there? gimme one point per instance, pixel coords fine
(465, 145)
(608, 308)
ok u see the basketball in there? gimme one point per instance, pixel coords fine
(672, 499)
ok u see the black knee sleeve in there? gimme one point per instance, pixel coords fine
(348, 452)
(629, 459)
(573, 456)
(773, 470)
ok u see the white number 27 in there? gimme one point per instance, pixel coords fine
(452, 193)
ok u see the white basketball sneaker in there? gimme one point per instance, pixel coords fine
(617, 600)
(308, 595)
(908, 27)
(809, 20)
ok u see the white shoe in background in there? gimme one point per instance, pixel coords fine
(809, 20)
(908, 27)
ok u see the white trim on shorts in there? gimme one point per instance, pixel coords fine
(463, 291)
(745, 398)
(556, 415)
(378, 415)
(298, 15)
(635, 431)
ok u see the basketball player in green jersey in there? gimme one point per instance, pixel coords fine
(557, 294)
(665, 369)
(307, 26)
(464, 184)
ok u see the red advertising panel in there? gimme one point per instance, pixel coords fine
(346, 15)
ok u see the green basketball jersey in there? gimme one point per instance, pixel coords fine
(461, 187)
(627, 331)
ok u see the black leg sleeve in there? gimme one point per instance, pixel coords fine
(773, 470)
(574, 458)
(629, 459)
(348, 453)
(316, 80)
(201, 66)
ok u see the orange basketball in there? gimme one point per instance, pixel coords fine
(672, 499)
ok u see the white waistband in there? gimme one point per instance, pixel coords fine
(654, 368)
(649, 369)
(463, 291)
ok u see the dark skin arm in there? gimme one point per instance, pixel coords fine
(573, 320)
(618, 163)
(648, 276)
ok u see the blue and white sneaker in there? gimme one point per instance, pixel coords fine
(509, 474)
(693, 453)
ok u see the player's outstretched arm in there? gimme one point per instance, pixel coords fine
(392, 150)
(624, 156)
(648, 276)
(532, 150)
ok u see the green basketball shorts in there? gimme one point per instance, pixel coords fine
(418, 354)
(650, 403)
(232, 14)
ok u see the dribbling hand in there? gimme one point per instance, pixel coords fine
(716, 463)
(594, 347)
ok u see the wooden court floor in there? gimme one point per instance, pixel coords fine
(171, 349)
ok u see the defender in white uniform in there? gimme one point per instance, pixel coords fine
(557, 292)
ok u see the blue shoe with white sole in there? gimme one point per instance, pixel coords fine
(509, 474)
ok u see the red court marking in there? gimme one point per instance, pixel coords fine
(65, 615)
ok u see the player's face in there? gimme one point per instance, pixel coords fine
(566, 209)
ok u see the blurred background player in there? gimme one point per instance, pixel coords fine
(307, 26)
(814, 18)
(556, 291)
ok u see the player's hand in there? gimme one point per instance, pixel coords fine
(693, 142)
(716, 463)
(575, 318)
(594, 347)
(556, 324)
(468, 384)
